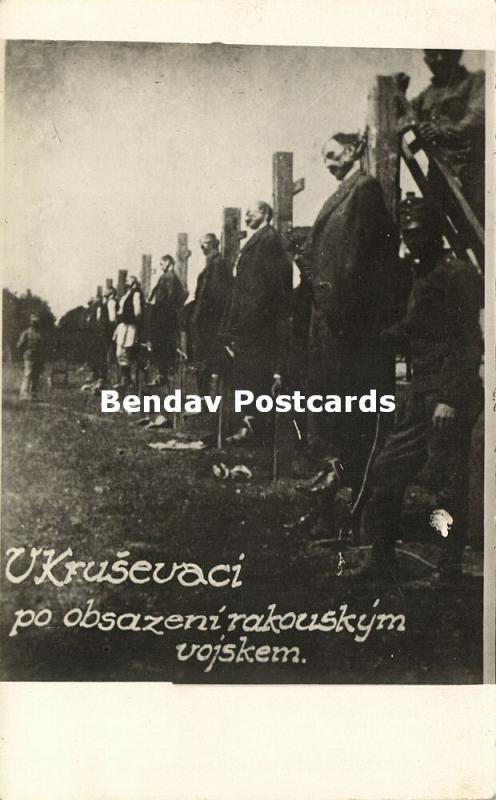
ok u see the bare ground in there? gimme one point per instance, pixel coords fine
(74, 478)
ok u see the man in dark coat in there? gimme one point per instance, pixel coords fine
(101, 328)
(349, 259)
(451, 116)
(258, 322)
(212, 293)
(168, 297)
(441, 329)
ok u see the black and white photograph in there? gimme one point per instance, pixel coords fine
(243, 363)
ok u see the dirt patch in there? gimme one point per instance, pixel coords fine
(73, 478)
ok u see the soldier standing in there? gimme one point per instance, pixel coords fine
(450, 114)
(31, 347)
(441, 329)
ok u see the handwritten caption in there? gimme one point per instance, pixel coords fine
(38, 566)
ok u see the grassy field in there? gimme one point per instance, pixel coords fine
(74, 478)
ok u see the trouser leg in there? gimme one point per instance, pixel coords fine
(252, 371)
(26, 389)
(414, 443)
(165, 359)
(404, 453)
(448, 476)
(35, 379)
(99, 361)
(344, 367)
(125, 359)
(202, 355)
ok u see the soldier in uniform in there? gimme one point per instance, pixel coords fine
(450, 115)
(258, 320)
(212, 293)
(441, 329)
(168, 297)
(32, 348)
(349, 260)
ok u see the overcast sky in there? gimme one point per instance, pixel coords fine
(113, 148)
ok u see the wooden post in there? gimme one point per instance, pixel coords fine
(231, 235)
(146, 274)
(108, 284)
(383, 151)
(121, 282)
(283, 191)
(182, 256)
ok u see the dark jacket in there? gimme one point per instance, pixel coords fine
(442, 332)
(98, 319)
(212, 293)
(164, 319)
(261, 296)
(350, 258)
(168, 292)
(126, 311)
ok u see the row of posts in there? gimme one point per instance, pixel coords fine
(382, 160)
(283, 191)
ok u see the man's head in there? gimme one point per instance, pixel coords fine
(340, 153)
(257, 214)
(442, 63)
(132, 281)
(167, 263)
(209, 244)
(34, 320)
(420, 222)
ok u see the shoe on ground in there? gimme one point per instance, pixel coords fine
(241, 436)
(245, 433)
(327, 479)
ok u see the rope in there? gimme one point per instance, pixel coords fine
(369, 463)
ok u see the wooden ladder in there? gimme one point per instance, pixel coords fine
(461, 227)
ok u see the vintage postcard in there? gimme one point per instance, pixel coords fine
(243, 379)
(247, 415)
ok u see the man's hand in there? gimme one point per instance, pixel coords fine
(430, 131)
(276, 385)
(443, 416)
